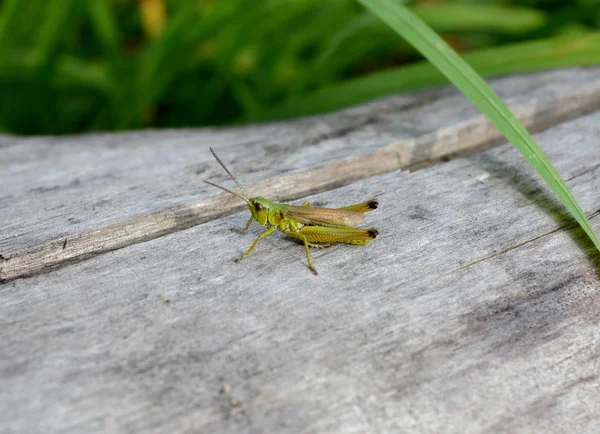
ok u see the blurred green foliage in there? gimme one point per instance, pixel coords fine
(70, 65)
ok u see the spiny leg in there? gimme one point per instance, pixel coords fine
(299, 236)
(322, 234)
(241, 231)
(260, 237)
(320, 246)
(310, 265)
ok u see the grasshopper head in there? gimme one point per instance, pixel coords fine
(259, 207)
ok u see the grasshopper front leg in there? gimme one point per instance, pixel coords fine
(260, 237)
(241, 231)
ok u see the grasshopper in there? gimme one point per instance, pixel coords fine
(311, 225)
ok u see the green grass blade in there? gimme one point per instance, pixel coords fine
(76, 73)
(106, 28)
(452, 17)
(555, 52)
(52, 32)
(9, 14)
(408, 25)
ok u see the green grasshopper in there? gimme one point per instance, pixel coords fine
(309, 224)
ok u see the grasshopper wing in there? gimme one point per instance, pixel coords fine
(329, 217)
(367, 206)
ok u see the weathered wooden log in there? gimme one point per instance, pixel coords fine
(475, 310)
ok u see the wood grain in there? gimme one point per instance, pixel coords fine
(69, 199)
(476, 310)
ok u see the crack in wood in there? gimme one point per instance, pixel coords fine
(507, 249)
(584, 172)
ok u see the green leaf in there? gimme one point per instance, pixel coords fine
(408, 25)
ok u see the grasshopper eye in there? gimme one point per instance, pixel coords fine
(258, 207)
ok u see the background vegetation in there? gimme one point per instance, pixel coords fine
(72, 66)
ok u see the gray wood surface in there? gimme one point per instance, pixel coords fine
(68, 199)
(476, 309)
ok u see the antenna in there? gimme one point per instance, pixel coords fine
(245, 198)
(228, 191)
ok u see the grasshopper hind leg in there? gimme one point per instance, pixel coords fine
(310, 265)
(320, 246)
(320, 236)
(304, 239)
